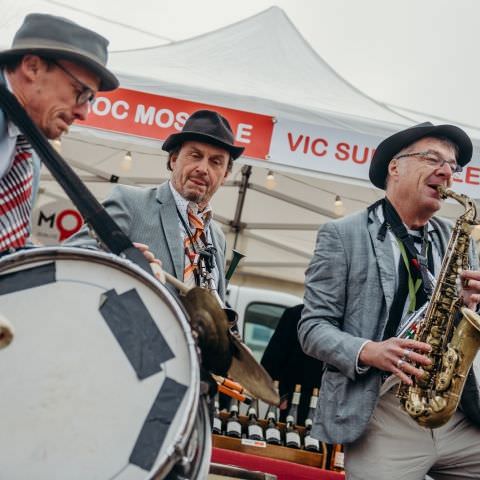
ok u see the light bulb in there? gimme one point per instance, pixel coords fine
(338, 207)
(270, 181)
(57, 145)
(126, 163)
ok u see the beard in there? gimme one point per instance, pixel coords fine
(194, 197)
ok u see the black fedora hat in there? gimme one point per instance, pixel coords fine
(59, 38)
(396, 142)
(205, 126)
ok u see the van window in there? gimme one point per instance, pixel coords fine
(260, 322)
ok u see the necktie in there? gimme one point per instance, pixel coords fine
(16, 198)
(190, 244)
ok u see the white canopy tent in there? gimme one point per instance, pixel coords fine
(260, 65)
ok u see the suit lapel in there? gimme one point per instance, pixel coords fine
(385, 259)
(171, 230)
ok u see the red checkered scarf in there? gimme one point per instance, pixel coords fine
(16, 198)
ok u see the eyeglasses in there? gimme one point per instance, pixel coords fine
(433, 160)
(86, 95)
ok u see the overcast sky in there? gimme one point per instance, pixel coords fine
(416, 54)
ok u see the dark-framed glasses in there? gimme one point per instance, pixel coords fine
(86, 94)
(433, 160)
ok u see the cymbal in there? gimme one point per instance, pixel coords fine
(209, 322)
(223, 352)
(247, 371)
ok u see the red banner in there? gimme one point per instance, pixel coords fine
(153, 116)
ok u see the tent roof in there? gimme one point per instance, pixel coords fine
(262, 64)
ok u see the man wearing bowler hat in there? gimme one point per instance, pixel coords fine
(173, 221)
(55, 67)
(367, 273)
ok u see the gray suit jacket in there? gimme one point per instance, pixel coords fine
(349, 289)
(149, 215)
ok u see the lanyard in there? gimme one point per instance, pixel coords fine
(412, 287)
(194, 260)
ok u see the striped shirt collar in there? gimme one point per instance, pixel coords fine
(416, 233)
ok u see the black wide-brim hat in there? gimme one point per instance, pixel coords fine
(59, 38)
(400, 140)
(205, 126)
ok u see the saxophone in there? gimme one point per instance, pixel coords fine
(452, 330)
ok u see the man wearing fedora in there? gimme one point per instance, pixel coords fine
(54, 68)
(367, 272)
(174, 220)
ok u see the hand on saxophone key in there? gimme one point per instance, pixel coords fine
(470, 288)
(403, 357)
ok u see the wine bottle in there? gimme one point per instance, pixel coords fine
(272, 432)
(337, 459)
(310, 443)
(217, 421)
(292, 436)
(233, 427)
(254, 430)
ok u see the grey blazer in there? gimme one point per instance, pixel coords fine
(349, 289)
(149, 215)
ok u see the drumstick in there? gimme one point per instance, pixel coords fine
(230, 384)
(164, 277)
(158, 271)
(234, 394)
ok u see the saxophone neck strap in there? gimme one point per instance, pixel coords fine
(410, 255)
(92, 211)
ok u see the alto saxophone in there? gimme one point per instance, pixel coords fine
(452, 330)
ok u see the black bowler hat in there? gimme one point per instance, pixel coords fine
(396, 142)
(59, 38)
(205, 126)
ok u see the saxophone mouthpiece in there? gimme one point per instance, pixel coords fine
(442, 191)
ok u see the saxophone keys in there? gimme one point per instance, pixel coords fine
(438, 403)
(414, 405)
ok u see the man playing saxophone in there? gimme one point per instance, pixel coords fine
(369, 271)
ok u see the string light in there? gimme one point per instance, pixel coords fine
(270, 181)
(126, 164)
(338, 207)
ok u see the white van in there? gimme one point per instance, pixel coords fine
(258, 311)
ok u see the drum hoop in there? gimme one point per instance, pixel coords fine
(19, 258)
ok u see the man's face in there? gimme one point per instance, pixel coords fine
(413, 180)
(52, 100)
(198, 170)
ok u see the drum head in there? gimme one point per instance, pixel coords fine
(101, 378)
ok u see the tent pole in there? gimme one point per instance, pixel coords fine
(242, 192)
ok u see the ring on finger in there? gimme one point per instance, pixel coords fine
(400, 363)
(406, 353)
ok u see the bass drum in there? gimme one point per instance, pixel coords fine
(101, 378)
